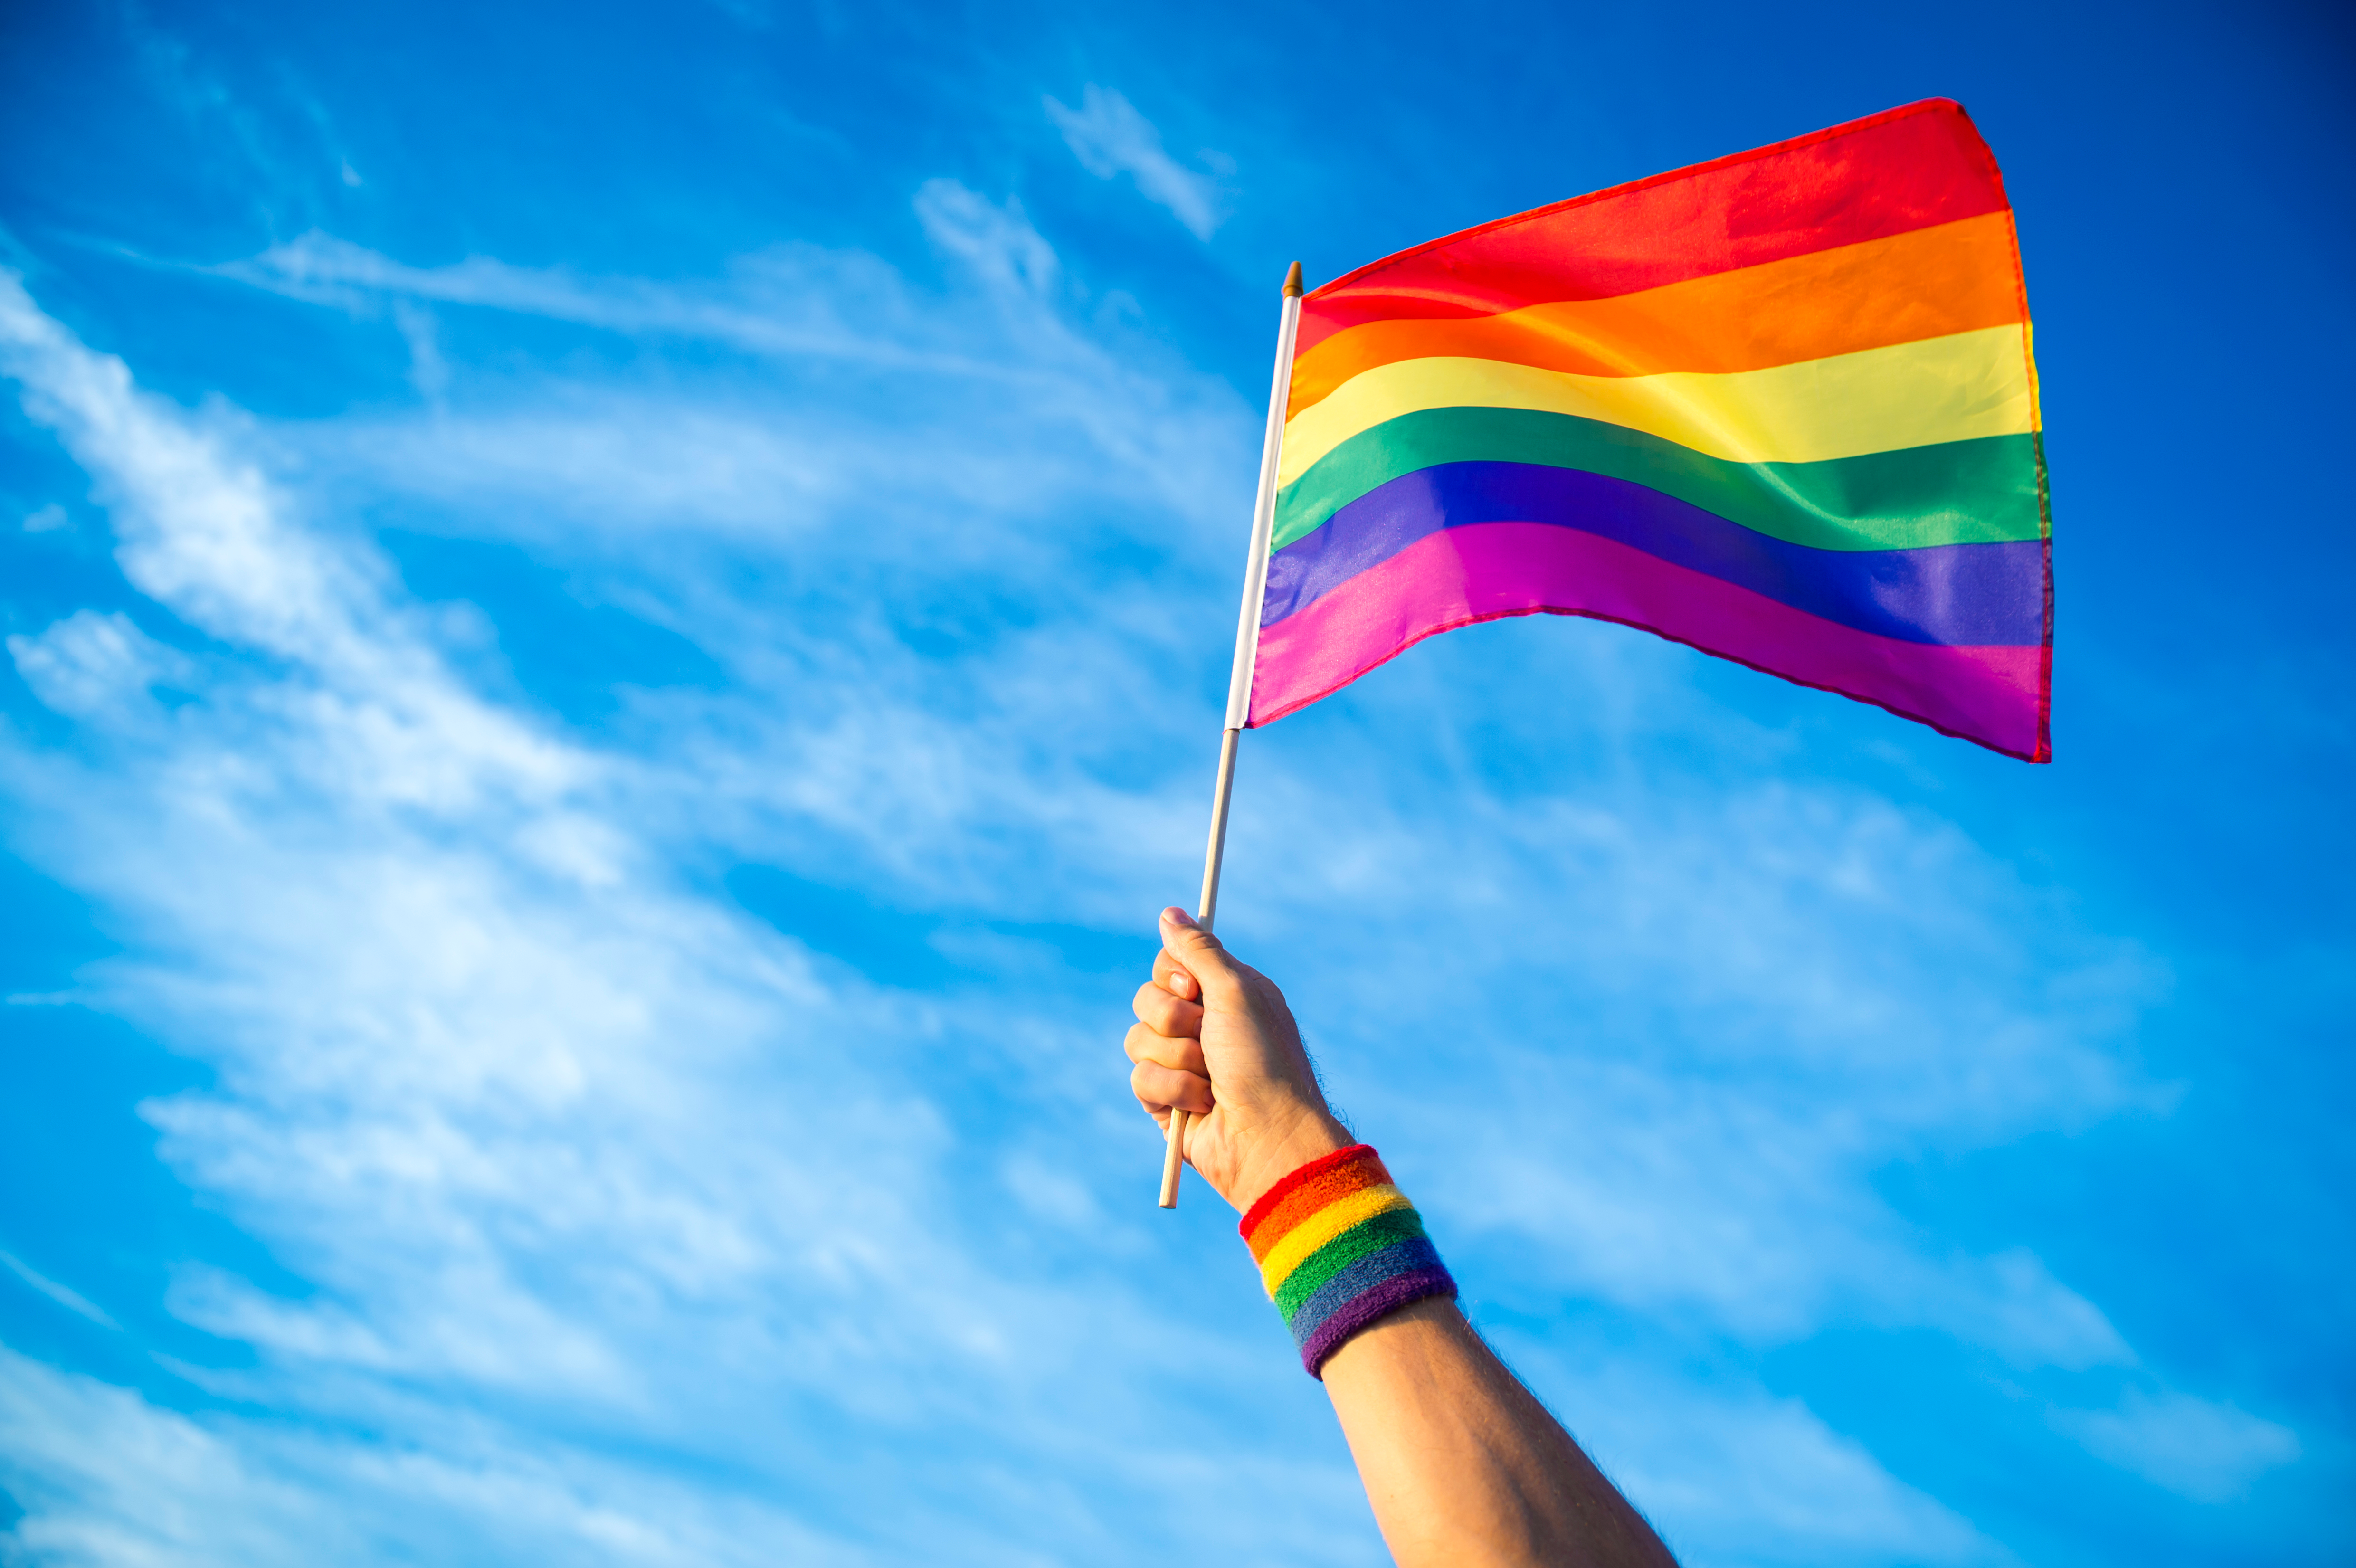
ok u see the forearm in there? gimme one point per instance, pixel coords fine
(1465, 1469)
(1462, 1465)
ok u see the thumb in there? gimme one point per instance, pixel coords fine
(1204, 958)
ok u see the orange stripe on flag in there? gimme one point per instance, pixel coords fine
(1931, 283)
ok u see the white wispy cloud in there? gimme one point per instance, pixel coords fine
(117, 1481)
(1109, 137)
(72, 1300)
(87, 663)
(1740, 1476)
(2203, 1449)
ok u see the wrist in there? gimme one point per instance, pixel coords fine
(1307, 1135)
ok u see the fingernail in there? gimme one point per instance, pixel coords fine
(1178, 917)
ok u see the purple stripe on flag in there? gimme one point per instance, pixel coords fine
(1965, 594)
(1483, 572)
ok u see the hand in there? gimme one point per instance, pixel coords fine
(1214, 1039)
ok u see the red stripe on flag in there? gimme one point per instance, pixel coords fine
(1888, 173)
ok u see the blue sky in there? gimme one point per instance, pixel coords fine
(616, 621)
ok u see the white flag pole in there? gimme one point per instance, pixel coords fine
(1239, 680)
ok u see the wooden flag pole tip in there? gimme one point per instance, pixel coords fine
(1174, 1158)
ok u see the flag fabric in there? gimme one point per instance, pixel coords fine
(1780, 407)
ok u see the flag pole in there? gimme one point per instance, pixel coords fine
(1239, 678)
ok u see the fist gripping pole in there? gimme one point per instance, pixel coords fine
(1239, 680)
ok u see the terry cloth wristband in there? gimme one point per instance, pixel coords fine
(1338, 1245)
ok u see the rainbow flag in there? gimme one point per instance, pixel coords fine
(1780, 407)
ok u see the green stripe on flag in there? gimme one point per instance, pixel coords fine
(1958, 492)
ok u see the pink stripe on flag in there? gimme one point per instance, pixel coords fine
(1488, 570)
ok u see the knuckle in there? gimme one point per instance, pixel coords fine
(1169, 1017)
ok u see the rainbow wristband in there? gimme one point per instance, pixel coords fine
(1338, 1247)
